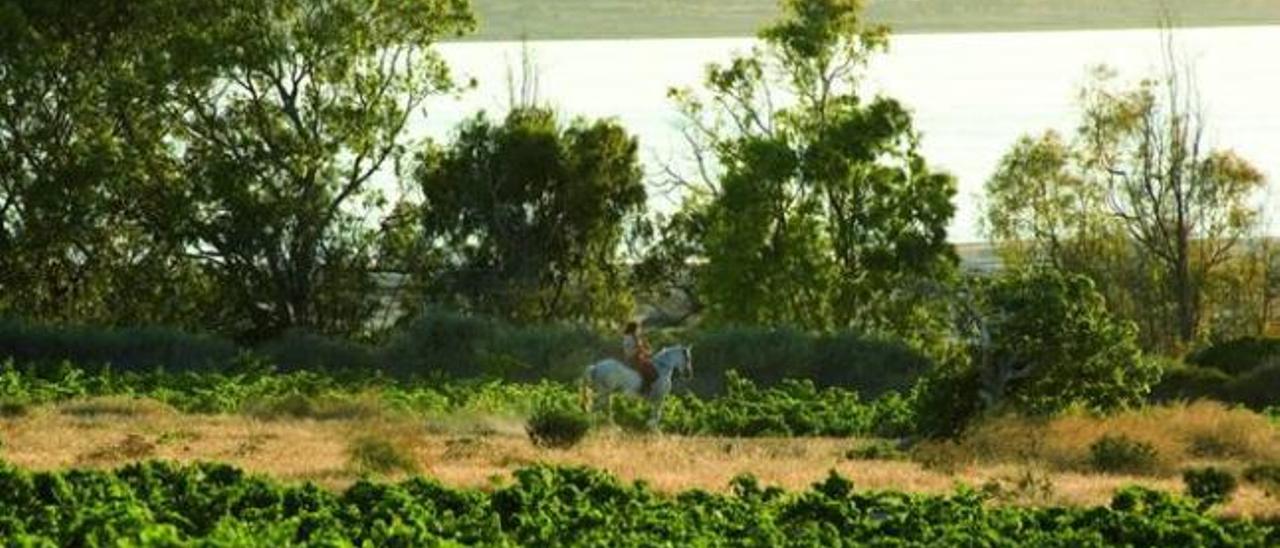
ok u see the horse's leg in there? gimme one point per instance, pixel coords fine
(655, 414)
(601, 406)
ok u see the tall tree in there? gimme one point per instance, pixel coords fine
(311, 101)
(1137, 201)
(816, 206)
(527, 217)
(1187, 207)
(89, 212)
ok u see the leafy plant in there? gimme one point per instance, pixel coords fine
(1119, 454)
(381, 455)
(1266, 476)
(1209, 485)
(557, 428)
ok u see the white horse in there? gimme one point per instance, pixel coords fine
(608, 376)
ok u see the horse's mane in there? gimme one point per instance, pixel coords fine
(669, 350)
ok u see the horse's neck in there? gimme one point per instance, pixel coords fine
(663, 362)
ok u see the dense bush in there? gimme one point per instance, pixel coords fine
(1190, 383)
(142, 348)
(767, 355)
(167, 504)
(1265, 476)
(440, 344)
(380, 455)
(557, 428)
(1258, 388)
(298, 350)
(1119, 454)
(1238, 356)
(1058, 327)
(1209, 485)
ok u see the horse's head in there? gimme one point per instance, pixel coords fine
(677, 359)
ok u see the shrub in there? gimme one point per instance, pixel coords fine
(138, 348)
(115, 406)
(1120, 454)
(1058, 327)
(321, 407)
(557, 428)
(1265, 476)
(300, 350)
(946, 401)
(1256, 389)
(1190, 383)
(458, 345)
(380, 455)
(872, 366)
(876, 450)
(1209, 485)
(11, 408)
(1238, 356)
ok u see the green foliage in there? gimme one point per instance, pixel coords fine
(1057, 329)
(380, 455)
(557, 428)
(90, 224)
(1265, 476)
(876, 450)
(946, 401)
(1238, 356)
(1209, 485)
(1119, 454)
(818, 212)
(793, 408)
(870, 365)
(168, 504)
(526, 218)
(12, 408)
(139, 348)
(1258, 388)
(1190, 383)
(1135, 202)
(459, 345)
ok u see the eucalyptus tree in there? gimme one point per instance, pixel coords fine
(309, 101)
(90, 203)
(812, 202)
(525, 219)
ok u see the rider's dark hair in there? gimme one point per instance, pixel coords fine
(631, 328)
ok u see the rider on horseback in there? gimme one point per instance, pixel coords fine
(636, 352)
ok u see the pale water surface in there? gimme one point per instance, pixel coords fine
(972, 94)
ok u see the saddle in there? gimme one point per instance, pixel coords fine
(643, 364)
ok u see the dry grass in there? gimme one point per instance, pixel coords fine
(1022, 466)
(1181, 435)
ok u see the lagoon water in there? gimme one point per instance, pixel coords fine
(972, 94)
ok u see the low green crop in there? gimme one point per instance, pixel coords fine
(166, 504)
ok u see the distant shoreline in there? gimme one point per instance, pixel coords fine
(921, 31)
(554, 20)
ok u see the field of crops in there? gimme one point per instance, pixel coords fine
(792, 408)
(158, 504)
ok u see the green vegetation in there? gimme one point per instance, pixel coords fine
(380, 455)
(1118, 454)
(1210, 485)
(819, 213)
(162, 504)
(745, 409)
(557, 428)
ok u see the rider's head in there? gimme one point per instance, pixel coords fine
(633, 327)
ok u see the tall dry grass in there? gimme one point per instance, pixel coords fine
(1182, 435)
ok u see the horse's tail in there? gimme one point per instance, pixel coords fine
(584, 391)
